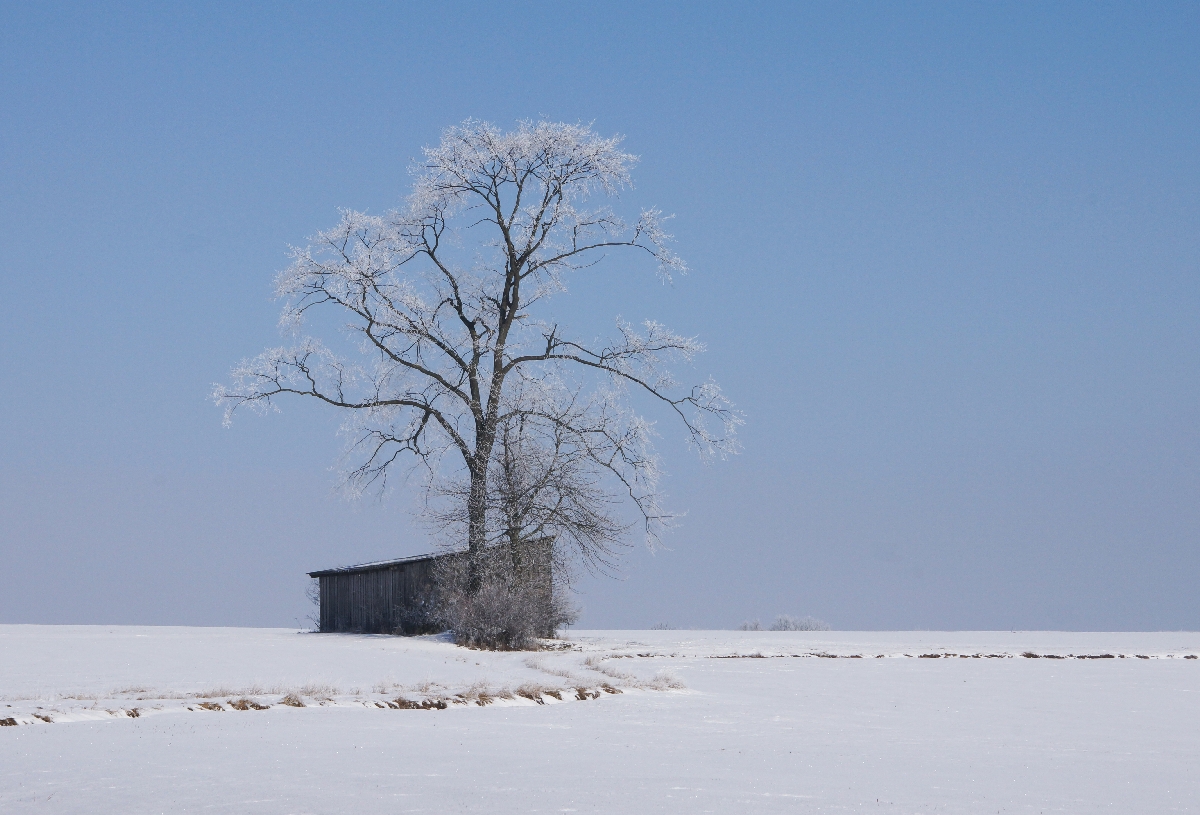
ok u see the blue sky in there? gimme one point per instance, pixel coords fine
(946, 258)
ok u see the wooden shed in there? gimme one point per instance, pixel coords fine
(384, 597)
(393, 596)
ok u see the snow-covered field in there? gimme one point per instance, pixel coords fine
(142, 719)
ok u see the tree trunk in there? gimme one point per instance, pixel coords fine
(477, 503)
(514, 551)
(476, 529)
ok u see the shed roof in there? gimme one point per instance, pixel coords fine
(375, 565)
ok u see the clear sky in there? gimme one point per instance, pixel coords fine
(946, 258)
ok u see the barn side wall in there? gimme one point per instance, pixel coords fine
(388, 599)
(378, 601)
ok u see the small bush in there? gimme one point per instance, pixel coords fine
(752, 625)
(408, 704)
(246, 704)
(313, 593)
(514, 605)
(503, 617)
(785, 622)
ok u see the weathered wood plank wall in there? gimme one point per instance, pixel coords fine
(384, 598)
(373, 601)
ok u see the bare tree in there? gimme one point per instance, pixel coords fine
(519, 429)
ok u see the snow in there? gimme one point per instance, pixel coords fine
(797, 730)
